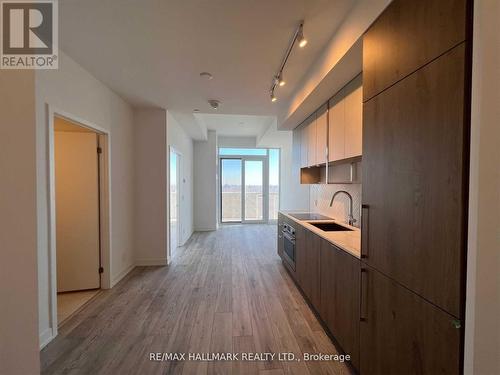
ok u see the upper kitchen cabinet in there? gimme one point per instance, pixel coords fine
(311, 140)
(336, 127)
(345, 122)
(313, 136)
(303, 136)
(313, 147)
(321, 134)
(408, 35)
(353, 122)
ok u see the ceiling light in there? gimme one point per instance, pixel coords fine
(300, 37)
(196, 110)
(206, 75)
(214, 103)
(281, 81)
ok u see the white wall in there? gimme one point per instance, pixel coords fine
(18, 247)
(182, 142)
(151, 224)
(293, 195)
(482, 332)
(74, 91)
(236, 142)
(205, 183)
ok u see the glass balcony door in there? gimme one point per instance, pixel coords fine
(243, 189)
(231, 175)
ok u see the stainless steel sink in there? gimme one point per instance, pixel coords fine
(330, 227)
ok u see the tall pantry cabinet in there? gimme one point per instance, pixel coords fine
(416, 97)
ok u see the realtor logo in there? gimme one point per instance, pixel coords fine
(29, 34)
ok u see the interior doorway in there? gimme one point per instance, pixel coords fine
(174, 200)
(79, 215)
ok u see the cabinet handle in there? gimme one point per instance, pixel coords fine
(364, 230)
(363, 312)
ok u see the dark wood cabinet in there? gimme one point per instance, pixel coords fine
(414, 142)
(408, 35)
(308, 266)
(401, 333)
(340, 297)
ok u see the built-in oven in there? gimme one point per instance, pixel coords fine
(289, 245)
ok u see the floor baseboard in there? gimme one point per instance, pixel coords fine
(122, 274)
(151, 262)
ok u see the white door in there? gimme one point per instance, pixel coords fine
(174, 200)
(77, 210)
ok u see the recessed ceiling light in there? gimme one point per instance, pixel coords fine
(206, 75)
(196, 110)
(214, 103)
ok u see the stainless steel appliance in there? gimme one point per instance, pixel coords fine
(289, 245)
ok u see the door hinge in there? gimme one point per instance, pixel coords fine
(101, 269)
(99, 150)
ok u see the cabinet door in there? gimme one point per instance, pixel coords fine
(304, 142)
(353, 118)
(336, 133)
(308, 268)
(413, 168)
(321, 134)
(281, 220)
(407, 35)
(340, 291)
(401, 333)
(311, 140)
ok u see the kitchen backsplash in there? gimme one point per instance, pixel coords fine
(321, 195)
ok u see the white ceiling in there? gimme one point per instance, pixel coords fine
(236, 125)
(152, 51)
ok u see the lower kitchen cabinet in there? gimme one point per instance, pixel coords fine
(340, 297)
(401, 333)
(308, 266)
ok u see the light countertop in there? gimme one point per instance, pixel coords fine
(349, 241)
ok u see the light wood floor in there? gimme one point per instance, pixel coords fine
(226, 291)
(70, 302)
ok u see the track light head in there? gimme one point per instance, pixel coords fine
(300, 37)
(281, 81)
(273, 97)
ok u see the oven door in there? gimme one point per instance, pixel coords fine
(289, 249)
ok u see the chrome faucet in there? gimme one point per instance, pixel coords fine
(350, 218)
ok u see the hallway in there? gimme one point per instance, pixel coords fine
(225, 292)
